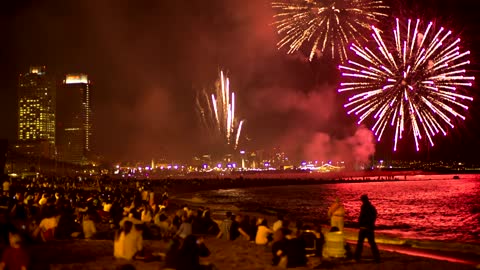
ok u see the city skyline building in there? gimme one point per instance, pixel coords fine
(36, 113)
(74, 119)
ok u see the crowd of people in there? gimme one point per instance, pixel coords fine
(46, 209)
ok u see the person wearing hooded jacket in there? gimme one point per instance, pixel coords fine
(366, 220)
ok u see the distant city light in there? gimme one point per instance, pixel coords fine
(219, 165)
(242, 152)
(76, 78)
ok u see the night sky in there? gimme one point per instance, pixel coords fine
(147, 59)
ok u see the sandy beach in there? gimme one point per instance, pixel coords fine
(239, 254)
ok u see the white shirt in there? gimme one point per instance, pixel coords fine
(42, 201)
(6, 186)
(48, 223)
(146, 216)
(184, 230)
(126, 246)
(88, 228)
(277, 225)
(262, 235)
(107, 207)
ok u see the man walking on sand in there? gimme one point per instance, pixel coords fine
(368, 216)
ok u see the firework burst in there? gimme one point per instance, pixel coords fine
(415, 79)
(327, 26)
(217, 112)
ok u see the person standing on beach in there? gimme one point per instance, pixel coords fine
(368, 216)
(336, 213)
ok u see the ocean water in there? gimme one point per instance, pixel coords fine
(438, 210)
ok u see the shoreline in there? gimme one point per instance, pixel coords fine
(455, 252)
(267, 179)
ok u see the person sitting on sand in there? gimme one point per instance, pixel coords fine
(263, 232)
(147, 213)
(241, 228)
(336, 213)
(189, 254)
(279, 248)
(43, 200)
(185, 228)
(88, 226)
(128, 242)
(279, 223)
(296, 250)
(252, 229)
(46, 228)
(161, 221)
(334, 246)
(171, 256)
(225, 227)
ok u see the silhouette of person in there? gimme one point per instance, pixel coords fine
(366, 220)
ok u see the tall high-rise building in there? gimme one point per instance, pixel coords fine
(36, 113)
(74, 119)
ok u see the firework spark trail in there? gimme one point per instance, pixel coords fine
(416, 79)
(328, 25)
(217, 113)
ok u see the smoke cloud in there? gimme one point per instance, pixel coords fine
(314, 128)
(357, 148)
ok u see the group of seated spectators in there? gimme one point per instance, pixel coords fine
(290, 246)
(44, 209)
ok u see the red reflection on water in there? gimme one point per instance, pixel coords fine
(441, 210)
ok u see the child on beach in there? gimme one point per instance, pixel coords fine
(14, 257)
